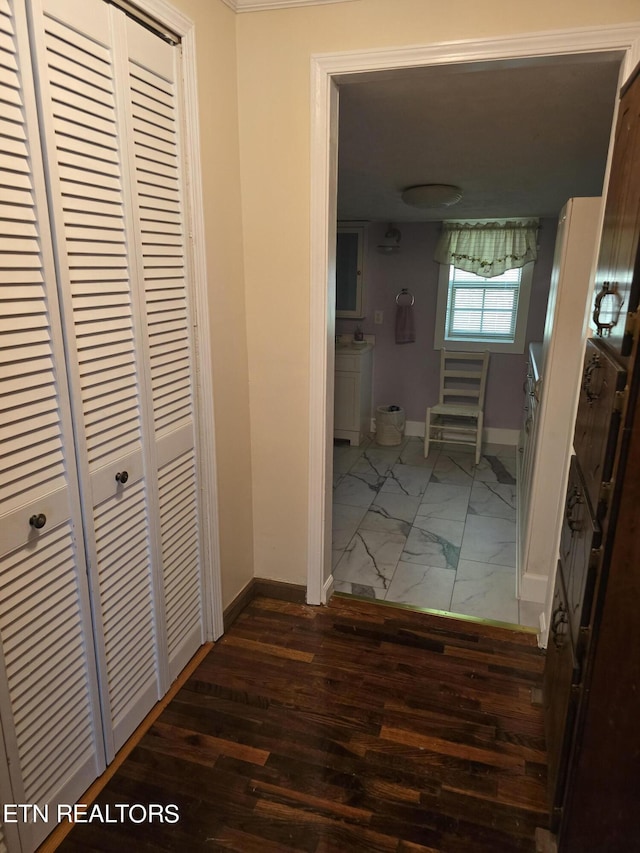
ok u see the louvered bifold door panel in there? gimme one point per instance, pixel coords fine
(48, 692)
(155, 151)
(84, 138)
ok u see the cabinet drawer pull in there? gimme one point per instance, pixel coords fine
(122, 477)
(559, 618)
(38, 521)
(574, 498)
(587, 378)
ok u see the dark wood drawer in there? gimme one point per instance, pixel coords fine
(598, 421)
(579, 539)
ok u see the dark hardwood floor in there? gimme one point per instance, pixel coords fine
(349, 727)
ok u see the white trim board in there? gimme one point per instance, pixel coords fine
(326, 68)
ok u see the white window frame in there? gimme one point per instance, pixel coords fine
(480, 345)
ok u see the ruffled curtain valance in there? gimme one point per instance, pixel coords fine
(488, 248)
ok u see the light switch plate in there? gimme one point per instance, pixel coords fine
(377, 318)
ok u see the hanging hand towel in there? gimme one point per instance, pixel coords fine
(405, 326)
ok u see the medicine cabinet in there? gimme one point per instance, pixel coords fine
(349, 271)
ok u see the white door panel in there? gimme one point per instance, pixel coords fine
(84, 131)
(155, 122)
(48, 686)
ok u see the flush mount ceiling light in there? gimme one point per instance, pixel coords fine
(390, 245)
(432, 195)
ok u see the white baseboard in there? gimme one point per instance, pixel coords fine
(533, 588)
(414, 428)
(490, 435)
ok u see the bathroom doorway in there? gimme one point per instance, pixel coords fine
(329, 73)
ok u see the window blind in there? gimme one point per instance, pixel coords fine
(480, 308)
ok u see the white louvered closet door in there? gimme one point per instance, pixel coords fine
(154, 123)
(48, 685)
(109, 111)
(84, 141)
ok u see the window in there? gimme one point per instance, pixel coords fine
(477, 313)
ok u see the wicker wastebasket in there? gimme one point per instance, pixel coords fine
(390, 423)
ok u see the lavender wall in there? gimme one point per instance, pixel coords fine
(407, 375)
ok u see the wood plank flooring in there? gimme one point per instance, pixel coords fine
(352, 727)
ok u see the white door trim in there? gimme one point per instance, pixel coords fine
(181, 25)
(325, 71)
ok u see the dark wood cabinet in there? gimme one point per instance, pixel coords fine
(598, 421)
(601, 804)
(592, 673)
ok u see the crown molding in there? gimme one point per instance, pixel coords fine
(263, 5)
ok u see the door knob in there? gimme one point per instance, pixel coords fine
(38, 521)
(122, 477)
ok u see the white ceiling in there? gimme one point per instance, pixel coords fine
(519, 137)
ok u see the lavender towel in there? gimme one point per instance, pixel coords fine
(405, 326)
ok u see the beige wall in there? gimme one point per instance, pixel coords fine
(253, 73)
(216, 69)
(274, 51)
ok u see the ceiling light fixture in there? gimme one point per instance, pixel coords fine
(432, 195)
(390, 245)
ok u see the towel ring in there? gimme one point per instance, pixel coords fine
(405, 292)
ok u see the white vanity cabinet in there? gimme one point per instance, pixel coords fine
(353, 392)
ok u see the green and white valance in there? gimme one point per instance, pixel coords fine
(488, 248)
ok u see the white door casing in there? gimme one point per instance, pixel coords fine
(327, 70)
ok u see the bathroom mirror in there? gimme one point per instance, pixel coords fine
(349, 272)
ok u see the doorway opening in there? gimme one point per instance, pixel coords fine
(357, 72)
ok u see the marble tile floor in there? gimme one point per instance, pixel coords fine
(436, 533)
